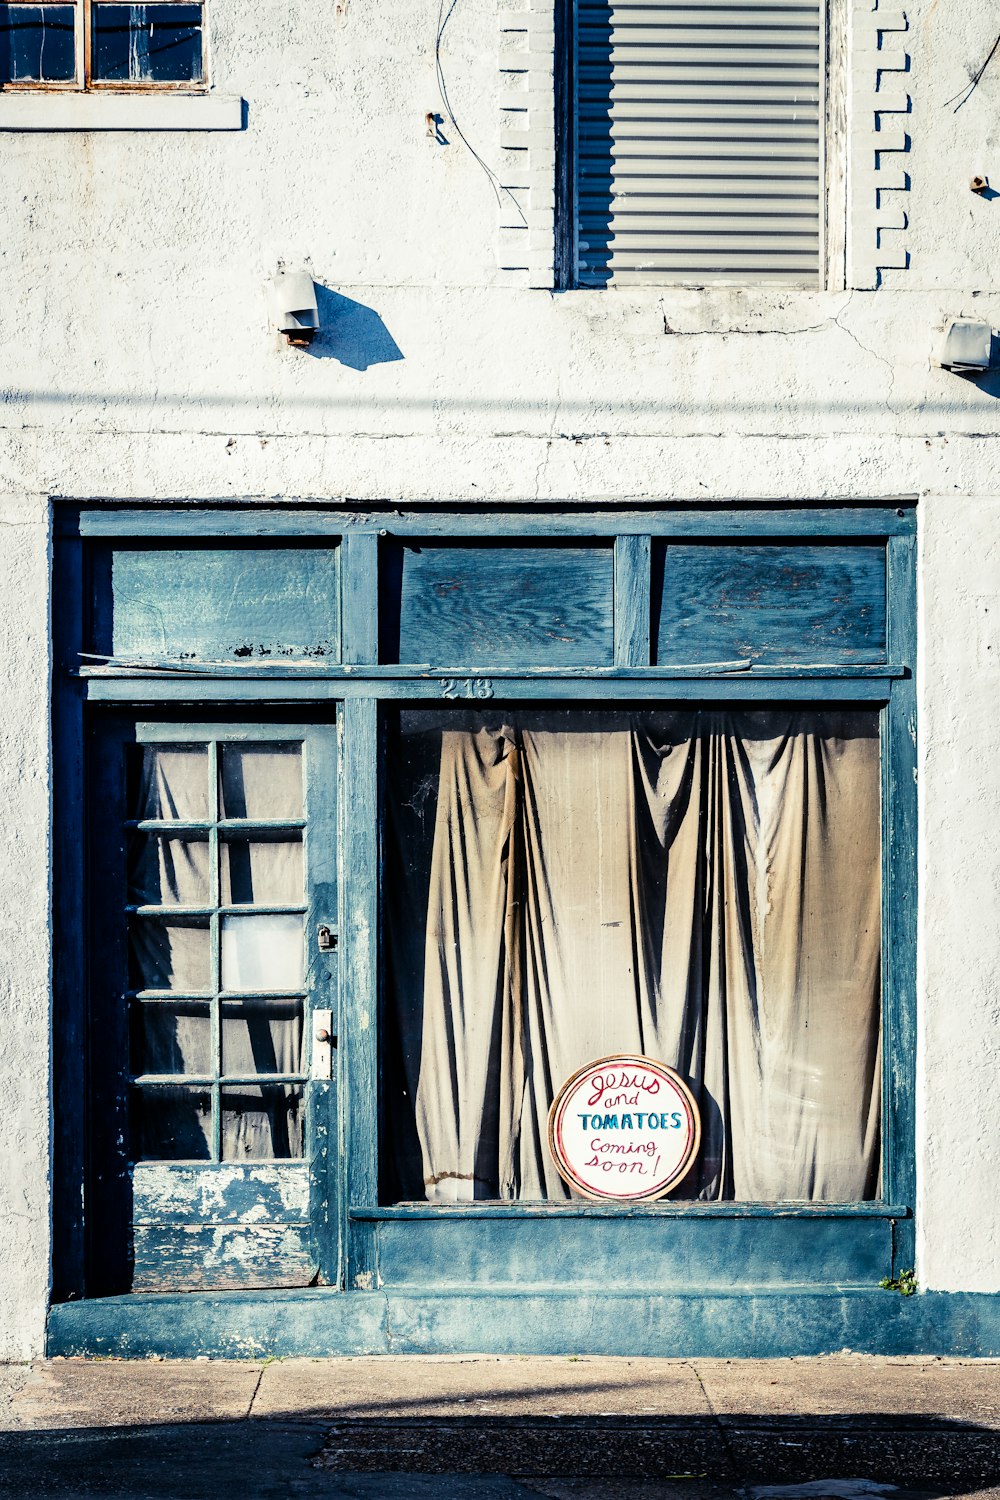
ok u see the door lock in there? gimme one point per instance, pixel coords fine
(326, 938)
(324, 1042)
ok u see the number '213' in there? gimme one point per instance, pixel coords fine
(466, 687)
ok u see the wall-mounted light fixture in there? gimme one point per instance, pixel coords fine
(294, 313)
(966, 347)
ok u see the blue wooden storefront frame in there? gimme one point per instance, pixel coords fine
(826, 1251)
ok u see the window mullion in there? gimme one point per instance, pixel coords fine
(84, 44)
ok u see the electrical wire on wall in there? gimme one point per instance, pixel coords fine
(964, 95)
(446, 9)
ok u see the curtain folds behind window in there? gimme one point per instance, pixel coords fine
(702, 887)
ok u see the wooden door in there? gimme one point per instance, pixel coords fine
(213, 1005)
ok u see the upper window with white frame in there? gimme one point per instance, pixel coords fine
(692, 141)
(94, 44)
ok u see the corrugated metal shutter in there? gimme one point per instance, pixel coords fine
(698, 150)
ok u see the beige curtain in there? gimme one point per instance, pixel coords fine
(170, 950)
(701, 887)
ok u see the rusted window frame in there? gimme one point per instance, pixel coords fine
(83, 46)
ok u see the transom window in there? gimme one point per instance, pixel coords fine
(97, 43)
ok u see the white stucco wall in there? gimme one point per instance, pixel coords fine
(139, 365)
(24, 925)
(960, 910)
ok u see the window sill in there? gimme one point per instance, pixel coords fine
(100, 111)
(665, 1210)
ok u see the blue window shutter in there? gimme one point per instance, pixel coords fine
(698, 140)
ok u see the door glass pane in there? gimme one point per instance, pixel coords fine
(262, 952)
(702, 886)
(262, 870)
(198, 957)
(37, 43)
(167, 871)
(173, 1039)
(148, 43)
(263, 782)
(174, 1123)
(258, 1123)
(170, 954)
(261, 1036)
(169, 782)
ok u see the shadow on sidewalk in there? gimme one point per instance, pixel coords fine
(306, 1454)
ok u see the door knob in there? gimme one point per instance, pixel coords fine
(324, 1042)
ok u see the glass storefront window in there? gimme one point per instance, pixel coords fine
(697, 885)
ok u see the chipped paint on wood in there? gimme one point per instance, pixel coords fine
(221, 1226)
(244, 603)
(219, 1257)
(165, 1193)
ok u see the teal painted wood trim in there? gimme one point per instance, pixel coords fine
(743, 1322)
(573, 1211)
(358, 1049)
(900, 877)
(68, 919)
(744, 687)
(322, 754)
(632, 601)
(668, 1254)
(878, 517)
(747, 670)
(170, 732)
(359, 596)
(104, 971)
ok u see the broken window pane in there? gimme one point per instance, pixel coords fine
(175, 1123)
(148, 43)
(37, 44)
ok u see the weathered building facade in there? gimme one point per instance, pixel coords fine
(586, 644)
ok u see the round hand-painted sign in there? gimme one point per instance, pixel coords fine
(624, 1127)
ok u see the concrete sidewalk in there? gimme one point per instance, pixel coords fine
(487, 1428)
